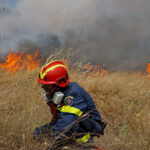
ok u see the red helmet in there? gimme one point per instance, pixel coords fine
(54, 73)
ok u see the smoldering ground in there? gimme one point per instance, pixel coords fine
(111, 32)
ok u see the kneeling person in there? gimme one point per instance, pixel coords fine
(73, 110)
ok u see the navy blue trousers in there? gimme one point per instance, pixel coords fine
(87, 125)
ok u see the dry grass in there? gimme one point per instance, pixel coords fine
(122, 98)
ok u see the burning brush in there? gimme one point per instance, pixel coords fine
(19, 61)
(148, 70)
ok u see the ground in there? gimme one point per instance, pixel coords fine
(122, 98)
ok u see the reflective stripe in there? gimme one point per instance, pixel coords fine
(42, 75)
(70, 109)
(84, 139)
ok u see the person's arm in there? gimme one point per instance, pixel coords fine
(46, 128)
(73, 108)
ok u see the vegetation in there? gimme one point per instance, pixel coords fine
(122, 98)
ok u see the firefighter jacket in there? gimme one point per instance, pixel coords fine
(77, 102)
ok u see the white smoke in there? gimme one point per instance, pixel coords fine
(110, 32)
(58, 16)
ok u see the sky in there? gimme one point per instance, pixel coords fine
(9, 3)
(113, 33)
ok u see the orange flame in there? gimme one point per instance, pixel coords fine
(148, 70)
(103, 72)
(86, 67)
(19, 61)
(95, 71)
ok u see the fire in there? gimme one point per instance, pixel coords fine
(148, 70)
(19, 61)
(88, 66)
(95, 70)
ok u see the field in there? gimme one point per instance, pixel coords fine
(122, 98)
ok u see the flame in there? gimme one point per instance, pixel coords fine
(87, 67)
(103, 72)
(95, 71)
(19, 61)
(148, 70)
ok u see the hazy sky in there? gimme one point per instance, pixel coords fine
(8, 3)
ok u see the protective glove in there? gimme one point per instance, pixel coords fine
(43, 130)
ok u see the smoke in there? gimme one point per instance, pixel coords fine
(112, 33)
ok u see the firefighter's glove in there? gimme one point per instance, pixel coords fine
(40, 131)
(43, 130)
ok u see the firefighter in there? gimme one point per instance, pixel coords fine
(72, 108)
